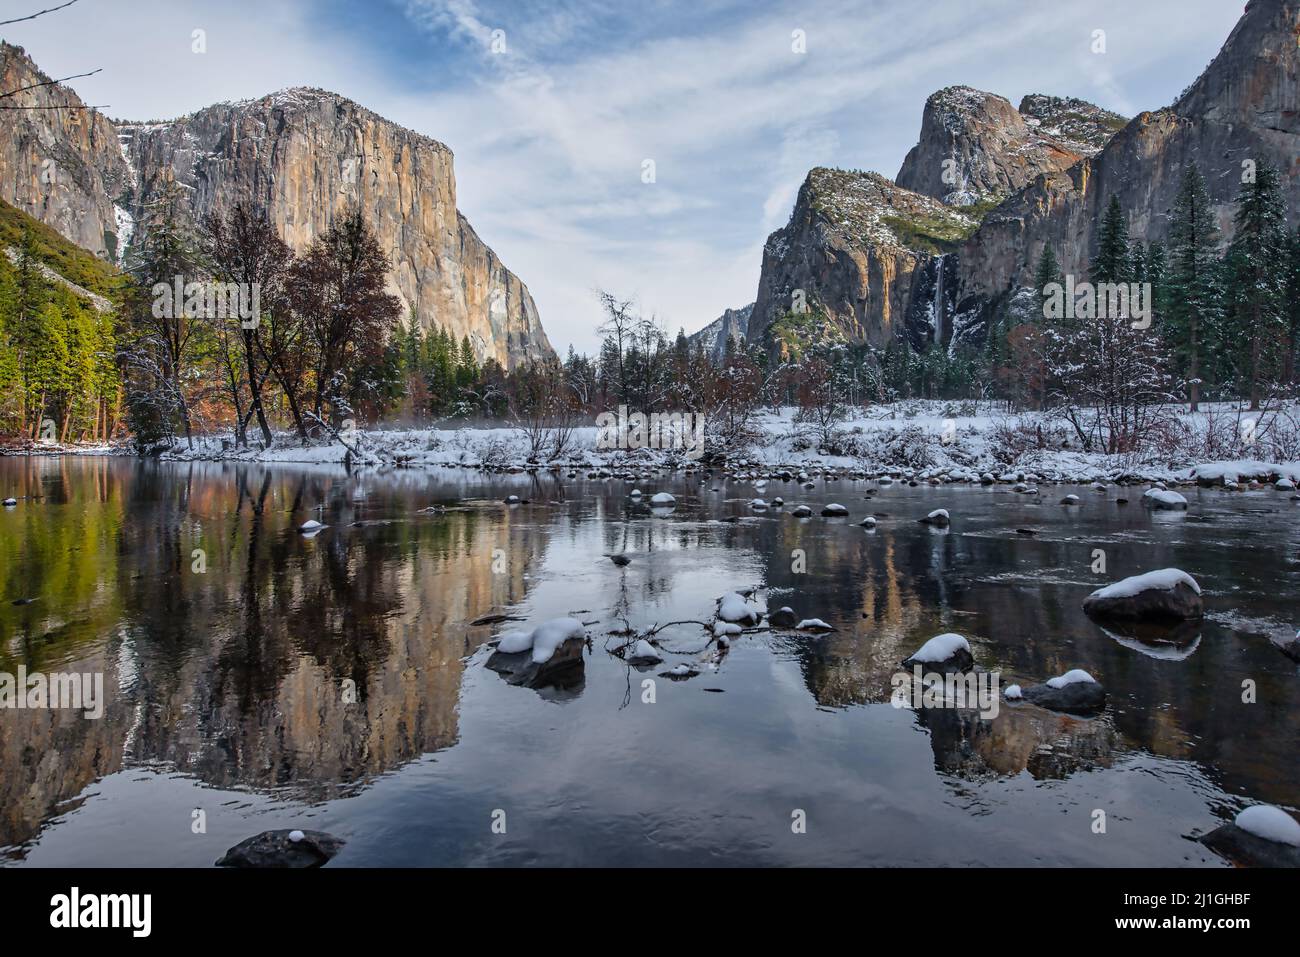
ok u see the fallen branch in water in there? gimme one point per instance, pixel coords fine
(647, 635)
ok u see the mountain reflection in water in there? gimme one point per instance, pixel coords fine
(264, 677)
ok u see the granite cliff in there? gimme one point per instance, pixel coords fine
(304, 155)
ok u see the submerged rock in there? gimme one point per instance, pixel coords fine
(944, 653)
(813, 624)
(1075, 692)
(620, 560)
(1165, 595)
(680, 672)
(280, 849)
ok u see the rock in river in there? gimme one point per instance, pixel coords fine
(283, 849)
(1075, 692)
(783, 618)
(938, 518)
(1261, 836)
(1165, 595)
(946, 653)
(1161, 499)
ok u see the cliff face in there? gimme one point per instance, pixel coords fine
(1244, 107)
(304, 155)
(975, 146)
(731, 326)
(1053, 164)
(857, 247)
(60, 162)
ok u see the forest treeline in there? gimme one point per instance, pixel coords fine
(147, 352)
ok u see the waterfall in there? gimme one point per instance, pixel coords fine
(938, 303)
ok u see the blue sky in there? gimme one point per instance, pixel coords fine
(551, 134)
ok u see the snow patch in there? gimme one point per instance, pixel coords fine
(1165, 580)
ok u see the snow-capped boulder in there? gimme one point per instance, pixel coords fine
(1075, 692)
(732, 607)
(802, 511)
(1013, 693)
(834, 510)
(1261, 836)
(1164, 500)
(636, 493)
(512, 500)
(1165, 595)
(515, 642)
(550, 654)
(311, 525)
(783, 618)
(550, 635)
(1284, 485)
(868, 522)
(662, 500)
(1270, 823)
(939, 518)
(10, 502)
(542, 641)
(1070, 500)
(948, 652)
(644, 653)
(758, 505)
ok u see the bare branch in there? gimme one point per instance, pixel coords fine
(35, 86)
(41, 13)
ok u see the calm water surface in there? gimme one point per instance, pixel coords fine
(227, 687)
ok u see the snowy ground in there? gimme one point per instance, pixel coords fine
(948, 441)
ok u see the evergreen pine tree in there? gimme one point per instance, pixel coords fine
(1257, 264)
(1048, 270)
(1112, 262)
(1192, 306)
(1293, 307)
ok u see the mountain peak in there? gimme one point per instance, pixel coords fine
(975, 147)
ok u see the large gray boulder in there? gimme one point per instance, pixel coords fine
(1165, 595)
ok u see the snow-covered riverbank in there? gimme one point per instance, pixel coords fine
(922, 441)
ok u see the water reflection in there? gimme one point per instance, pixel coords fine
(249, 658)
